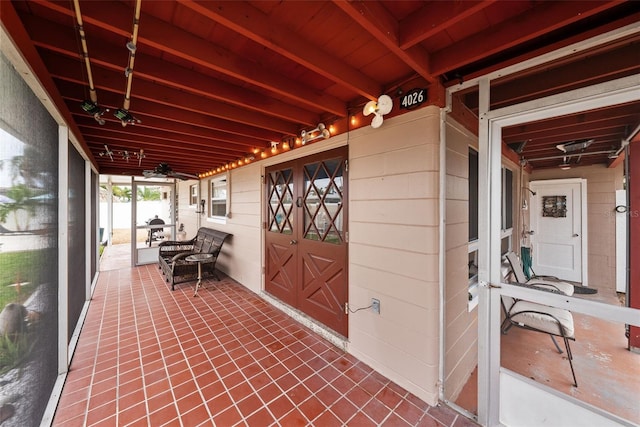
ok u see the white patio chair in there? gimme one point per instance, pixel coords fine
(556, 322)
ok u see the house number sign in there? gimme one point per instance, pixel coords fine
(413, 98)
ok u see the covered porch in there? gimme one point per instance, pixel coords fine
(150, 356)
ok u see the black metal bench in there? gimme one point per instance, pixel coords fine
(172, 254)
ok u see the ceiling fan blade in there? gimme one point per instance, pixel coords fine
(182, 176)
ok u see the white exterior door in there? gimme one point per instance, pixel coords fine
(558, 223)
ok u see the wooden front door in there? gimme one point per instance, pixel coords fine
(306, 245)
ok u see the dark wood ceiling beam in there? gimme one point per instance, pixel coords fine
(110, 99)
(255, 25)
(13, 26)
(549, 142)
(132, 142)
(188, 131)
(194, 163)
(591, 119)
(434, 18)
(90, 127)
(375, 19)
(59, 39)
(544, 18)
(167, 38)
(569, 133)
(591, 70)
(107, 79)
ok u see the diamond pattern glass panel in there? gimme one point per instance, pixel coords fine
(323, 185)
(280, 201)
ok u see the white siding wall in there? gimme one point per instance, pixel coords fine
(461, 326)
(393, 249)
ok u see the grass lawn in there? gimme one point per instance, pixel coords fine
(16, 269)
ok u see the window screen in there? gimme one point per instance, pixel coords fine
(28, 249)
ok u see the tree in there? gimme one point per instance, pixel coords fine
(23, 200)
(121, 194)
(148, 194)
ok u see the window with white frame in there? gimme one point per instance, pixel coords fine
(193, 195)
(218, 193)
(506, 220)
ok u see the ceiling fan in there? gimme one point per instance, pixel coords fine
(163, 170)
(575, 145)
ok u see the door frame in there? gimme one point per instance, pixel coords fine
(298, 162)
(150, 253)
(584, 241)
(494, 390)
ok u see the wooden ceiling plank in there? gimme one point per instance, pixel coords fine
(171, 134)
(593, 68)
(253, 24)
(539, 21)
(383, 27)
(591, 118)
(185, 129)
(436, 17)
(104, 79)
(13, 26)
(165, 112)
(132, 141)
(193, 160)
(53, 37)
(180, 43)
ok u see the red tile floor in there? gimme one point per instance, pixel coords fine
(149, 356)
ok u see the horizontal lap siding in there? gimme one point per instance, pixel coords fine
(461, 326)
(393, 250)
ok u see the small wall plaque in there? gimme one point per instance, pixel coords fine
(554, 206)
(413, 99)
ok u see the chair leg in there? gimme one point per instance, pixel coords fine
(556, 344)
(506, 325)
(570, 357)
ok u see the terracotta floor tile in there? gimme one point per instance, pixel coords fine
(260, 418)
(343, 409)
(226, 357)
(134, 413)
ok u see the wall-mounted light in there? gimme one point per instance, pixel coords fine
(320, 132)
(383, 106)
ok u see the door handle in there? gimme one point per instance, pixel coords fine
(293, 242)
(576, 235)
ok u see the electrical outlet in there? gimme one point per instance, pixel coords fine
(375, 305)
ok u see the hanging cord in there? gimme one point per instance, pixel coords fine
(91, 106)
(132, 45)
(85, 52)
(123, 114)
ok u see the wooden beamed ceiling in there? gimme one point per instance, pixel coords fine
(218, 81)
